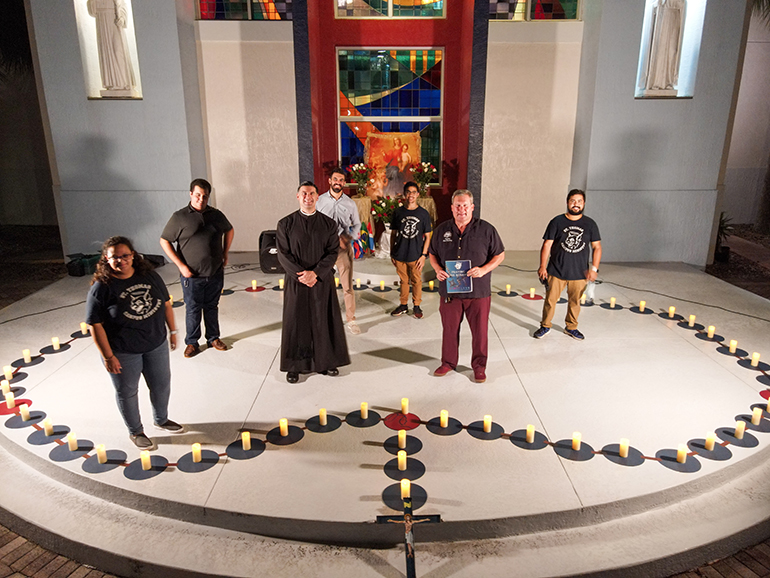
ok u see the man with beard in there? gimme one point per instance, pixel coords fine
(312, 336)
(341, 208)
(569, 239)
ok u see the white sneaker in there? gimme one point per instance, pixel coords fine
(354, 328)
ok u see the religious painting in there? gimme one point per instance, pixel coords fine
(392, 156)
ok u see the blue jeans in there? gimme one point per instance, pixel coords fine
(201, 294)
(154, 365)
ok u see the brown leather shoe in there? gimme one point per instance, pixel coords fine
(192, 350)
(218, 344)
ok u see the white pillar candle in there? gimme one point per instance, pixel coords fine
(280, 283)
(681, 454)
(531, 292)
(171, 298)
(404, 405)
(72, 441)
(406, 489)
(364, 410)
(55, 343)
(101, 454)
(6, 387)
(711, 439)
(8, 372)
(401, 461)
(283, 426)
(358, 283)
(671, 312)
(83, 328)
(10, 402)
(322, 419)
(254, 284)
(430, 284)
(623, 451)
(402, 439)
(583, 299)
(336, 281)
(145, 457)
(27, 356)
(487, 423)
(382, 285)
(755, 359)
(444, 418)
(530, 433)
(733, 345)
(740, 429)
(691, 323)
(642, 305)
(711, 331)
(196, 453)
(577, 440)
(47, 427)
(507, 289)
(24, 410)
(612, 302)
(246, 441)
(767, 409)
(756, 416)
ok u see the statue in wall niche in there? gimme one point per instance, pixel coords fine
(665, 46)
(114, 61)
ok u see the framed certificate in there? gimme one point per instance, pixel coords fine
(458, 281)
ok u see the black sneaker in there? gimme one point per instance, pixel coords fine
(417, 312)
(574, 334)
(170, 426)
(541, 332)
(400, 310)
(142, 441)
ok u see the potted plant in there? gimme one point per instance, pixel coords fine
(725, 229)
(361, 174)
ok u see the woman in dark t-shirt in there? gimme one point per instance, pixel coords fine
(128, 310)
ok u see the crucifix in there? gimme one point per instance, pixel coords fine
(408, 520)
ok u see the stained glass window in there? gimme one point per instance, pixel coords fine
(245, 9)
(390, 8)
(527, 10)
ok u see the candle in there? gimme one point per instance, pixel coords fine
(711, 331)
(671, 312)
(612, 302)
(406, 489)
(530, 433)
(623, 451)
(364, 410)
(583, 299)
(246, 441)
(642, 304)
(507, 289)
(283, 426)
(740, 429)
(27, 356)
(692, 321)
(101, 454)
(196, 453)
(336, 281)
(145, 457)
(10, 403)
(405, 405)
(487, 423)
(733, 345)
(84, 327)
(756, 416)
(8, 371)
(24, 409)
(755, 359)
(382, 285)
(444, 418)
(402, 439)
(47, 427)
(55, 342)
(171, 298)
(72, 441)
(767, 409)
(254, 284)
(401, 461)
(430, 284)
(5, 386)
(531, 292)
(280, 283)
(358, 283)
(711, 439)
(577, 439)
(681, 454)
(322, 417)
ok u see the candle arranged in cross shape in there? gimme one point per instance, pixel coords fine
(583, 299)
(72, 441)
(280, 283)
(382, 285)
(402, 439)
(623, 451)
(24, 411)
(6, 387)
(577, 440)
(283, 426)
(364, 410)
(26, 354)
(254, 284)
(47, 427)
(756, 416)
(487, 423)
(681, 454)
(733, 345)
(358, 283)
(671, 312)
(642, 305)
(711, 331)
(507, 289)
(101, 454)
(530, 433)
(691, 322)
(10, 402)
(531, 292)
(711, 440)
(171, 298)
(755, 359)
(55, 343)
(196, 453)
(246, 441)
(444, 418)
(430, 285)
(740, 429)
(612, 302)
(406, 489)
(8, 372)
(144, 456)
(401, 461)
(404, 405)
(322, 419)
(336, 281)
(84, 327)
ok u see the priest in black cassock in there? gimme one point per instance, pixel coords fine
(313, 336)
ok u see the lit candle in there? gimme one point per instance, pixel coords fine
(530, 433)
(681, 454)
(583, 299)
(405, 405)
(382, 285)
(358, 283)
(692, 321)
(612, 302)
(145, 457)
(430, 284)
(531, 292)
(283, 426)
(55, 342)
(740, 429)
(733, 345)
(254, 284)
(8, 371)
(507, 289)
(322, 419)
(642, 305)
(671, 312)
(27, 356)
(767, 409)
(406, 489)
(401, 461)
(756, 416)
(487, 423)
(24, 409)
(5, 386)
(577, 439)
(101, 454)
(47, 427)
(336, 281)
(364, 410)
(196, 453)
(623, 451)
(711, 439)
(10, 403)
(171, 298)
(402, 439)
(246, 441)
(280, 283)
(84, 327)
(444, 418)
(72, 441)
(755, 359)
(711, 331)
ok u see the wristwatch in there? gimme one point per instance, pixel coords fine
(594, 269)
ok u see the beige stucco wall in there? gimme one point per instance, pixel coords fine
(529, 126)
(247, 83)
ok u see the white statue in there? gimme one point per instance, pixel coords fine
(114, 61)
(665, 45)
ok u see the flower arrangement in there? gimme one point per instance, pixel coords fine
(383, 208)
(360, 173)
(423, 173)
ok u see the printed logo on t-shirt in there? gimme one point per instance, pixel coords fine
(140, 304)
(573, 243)
(448, 237)
(409, 229)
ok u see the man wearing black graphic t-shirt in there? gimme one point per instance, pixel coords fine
(568, 243)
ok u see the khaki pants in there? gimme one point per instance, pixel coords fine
(574, 293)
(345, 269)
(409, 276)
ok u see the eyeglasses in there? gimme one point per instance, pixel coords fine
(125, 257)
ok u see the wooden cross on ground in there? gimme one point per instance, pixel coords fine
(408, 520)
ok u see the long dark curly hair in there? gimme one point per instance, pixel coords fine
(105, 273)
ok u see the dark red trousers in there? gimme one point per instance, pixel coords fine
(477, 313)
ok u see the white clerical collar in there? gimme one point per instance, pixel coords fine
(308, 214)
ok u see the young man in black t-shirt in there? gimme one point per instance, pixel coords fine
(568, 243)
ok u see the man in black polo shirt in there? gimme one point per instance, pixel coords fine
(203, 236)
(465, 238)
